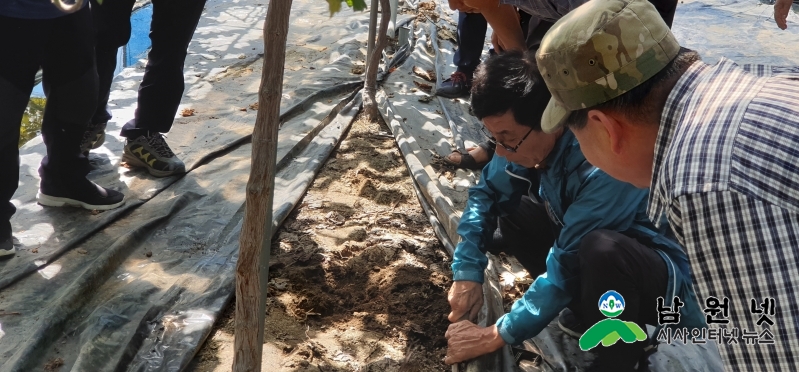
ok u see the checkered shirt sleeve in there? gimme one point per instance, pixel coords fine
(726, 174)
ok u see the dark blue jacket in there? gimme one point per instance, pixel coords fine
(579, 199)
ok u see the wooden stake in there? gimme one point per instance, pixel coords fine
(252, 269)
(373, 62)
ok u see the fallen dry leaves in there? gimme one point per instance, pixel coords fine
(428, 75)
(427, 88)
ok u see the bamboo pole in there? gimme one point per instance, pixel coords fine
(252, 268)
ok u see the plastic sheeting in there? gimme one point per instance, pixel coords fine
(139, 288)
(743, 31)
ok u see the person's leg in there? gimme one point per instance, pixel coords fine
(161, 89)
(526, 234)
(16, 83)
(112, 30)
(524, 21)
(70, 85)
(666, 8)
(472, 29)
(613, 261)
(536, 29)
(471, 39)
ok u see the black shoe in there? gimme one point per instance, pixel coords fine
(458, 85)
(570, 324)
(84, 194)
(93, 138)
(8, 247)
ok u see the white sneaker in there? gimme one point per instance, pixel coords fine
(8, 247)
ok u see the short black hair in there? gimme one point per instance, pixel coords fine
(510, 81)
(645, 102)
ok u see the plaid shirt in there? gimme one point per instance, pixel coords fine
(726, 173)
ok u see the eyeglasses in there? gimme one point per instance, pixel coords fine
(504, 146)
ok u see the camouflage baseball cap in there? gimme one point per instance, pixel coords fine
(598, 52)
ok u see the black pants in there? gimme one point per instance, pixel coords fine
(161, 89)
(471, 38)
(608, 261)
(666, 9)
(64, 48)
(536, 29)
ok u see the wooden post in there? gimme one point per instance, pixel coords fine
(252, 269)
(370, 40)
(373, 62)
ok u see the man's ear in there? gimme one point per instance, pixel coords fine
(611, 126)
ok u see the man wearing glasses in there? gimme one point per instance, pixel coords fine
(579, 231)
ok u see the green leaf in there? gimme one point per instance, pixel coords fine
(358, 5)
(335, 6)
(100, 2)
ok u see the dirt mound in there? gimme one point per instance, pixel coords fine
(358, 280)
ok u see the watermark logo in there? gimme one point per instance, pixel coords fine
(719, 328)
(609, 331)
(611, 304)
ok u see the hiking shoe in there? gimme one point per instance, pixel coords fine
(458, 85)
(93, 138)
(84, 193)
(152, 152)
(8, 247)
(570, 324)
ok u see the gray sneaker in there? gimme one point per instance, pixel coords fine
(93, 138)
(8, 247)
(152, 152)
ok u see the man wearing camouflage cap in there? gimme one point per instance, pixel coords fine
(576, 230)
(716, 145)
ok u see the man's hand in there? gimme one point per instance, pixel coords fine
(781, 10)
(466, 340)
(465, 298)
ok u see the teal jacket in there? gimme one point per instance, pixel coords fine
(579, 198)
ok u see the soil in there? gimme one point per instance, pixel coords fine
(358, 280)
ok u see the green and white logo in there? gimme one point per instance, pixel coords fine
(611, 304)
(609, 331)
